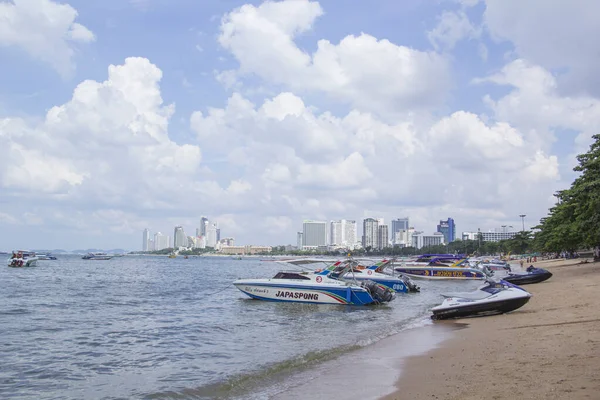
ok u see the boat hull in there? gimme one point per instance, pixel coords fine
(475, 310)
(22, 263)
(299, 294)
(441, 273)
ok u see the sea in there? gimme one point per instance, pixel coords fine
(149, 327)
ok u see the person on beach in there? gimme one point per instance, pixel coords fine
(522, 263)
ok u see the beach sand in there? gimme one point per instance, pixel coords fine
(548, 349)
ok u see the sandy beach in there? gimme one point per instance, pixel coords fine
(548, 349)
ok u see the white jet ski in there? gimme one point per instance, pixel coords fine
(494, 297)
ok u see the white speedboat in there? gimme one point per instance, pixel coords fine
(311, 287)
(491, 298)
(22, 258)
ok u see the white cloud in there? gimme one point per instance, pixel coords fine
(45, 29)
(553, 34)
(452, 27)
(368, 73)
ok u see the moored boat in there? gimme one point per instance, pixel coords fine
(490, 298)
(97, 256)
(319, 288)
(532, 275)
(22, 258)
(458, 270)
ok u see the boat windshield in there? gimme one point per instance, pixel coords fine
(290, 275)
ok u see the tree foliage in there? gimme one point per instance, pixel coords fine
(574, 222)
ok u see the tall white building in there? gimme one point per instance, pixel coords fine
(211, 235)
(420, 240)
(403, 237)
(314, 234)
(145, 239)
(179, 238)
(349, 236)
(336, 233)
(382, 236)
(370, 233)
(342, 233)
(161, 241)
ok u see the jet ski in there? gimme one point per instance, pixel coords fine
(533, 275)
(494, 297)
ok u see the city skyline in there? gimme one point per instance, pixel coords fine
(117, 116)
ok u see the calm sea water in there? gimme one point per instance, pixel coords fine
(160, 328)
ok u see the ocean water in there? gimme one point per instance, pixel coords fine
(159, 328)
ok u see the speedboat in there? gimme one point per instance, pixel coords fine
(22, 258)
(46, 257)
(459, 270)
(493, 264)
(434, 260)
(97, 256)
(311, 287)
(491, 298)
(355, 270)
(533, 275)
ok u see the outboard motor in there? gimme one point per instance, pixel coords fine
(380, 293)
(412, 287)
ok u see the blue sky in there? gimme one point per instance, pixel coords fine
(320, 110)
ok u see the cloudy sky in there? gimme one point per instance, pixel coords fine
(118, 115)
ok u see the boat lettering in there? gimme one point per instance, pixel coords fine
(297, 295)
(448, 273)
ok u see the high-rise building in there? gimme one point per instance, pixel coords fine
(335, 233)
(160, 241)
(145, 239)
(342, 233)
(179, 237)
(448, 229)
(203, 226)
(218, 234)
(382, 236)
(349, 233)
(314, 234)
(399, 224)
(211, 235)
(370, 233)
(299, 240)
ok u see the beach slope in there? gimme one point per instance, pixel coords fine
(548, 349)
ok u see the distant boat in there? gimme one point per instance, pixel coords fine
(96, 256)
(172, 255)
(46, 257)
(22, 258)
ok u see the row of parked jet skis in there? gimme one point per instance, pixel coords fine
(362, 282)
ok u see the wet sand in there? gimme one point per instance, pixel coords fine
(548, 349)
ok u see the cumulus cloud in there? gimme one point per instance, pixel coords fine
(369, 73)
(452, 27)
(45, 29)
(553, 34)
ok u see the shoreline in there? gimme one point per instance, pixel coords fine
(548, 349)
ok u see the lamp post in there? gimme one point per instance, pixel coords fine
(523, 220)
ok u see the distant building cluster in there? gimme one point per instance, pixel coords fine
(376, 234)
(208, 234)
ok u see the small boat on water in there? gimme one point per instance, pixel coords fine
(46, 257)
(489, 299)
(22, 258)
(319, 288)
(533, 275)
(460, 269)
(97, 256)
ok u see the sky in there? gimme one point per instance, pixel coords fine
(119, 115)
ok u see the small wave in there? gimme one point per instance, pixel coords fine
(244, 383)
